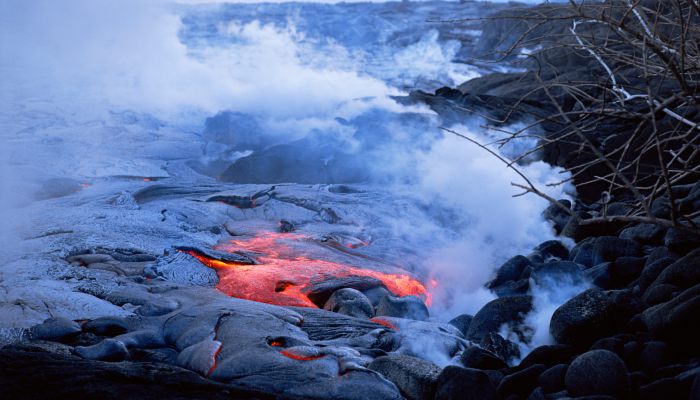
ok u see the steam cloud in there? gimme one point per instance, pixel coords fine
(80, 59)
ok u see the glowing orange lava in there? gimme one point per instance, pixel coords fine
(282, 274)
(295, 356)
(214, 360)
(382, 321)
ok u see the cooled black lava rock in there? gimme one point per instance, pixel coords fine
(677, 319)
(654, 355)
(510, 271)
(320, 292)
(660, 293)
(609, 248)
(597, 372)
(286, 226)
(681, 241)
(522, 382)
(505, 310)
(478, 358)
(644, 233)
(55, 329)
(652, 271)
(26, 373)
(666, 388)
(553, 248)
(557, 216)
(513, 288)
(410, 307)
(626, 269)
(157, 307)
(106, 326)
(501, 347)
(462, 322)
(457, 383)
(682, 273)
(106, 350)
(416, 378)
(584, 318)
(555, 273)
(552, 379)
(600, 275)
(596, 250)
(582, 253)
(350, 302)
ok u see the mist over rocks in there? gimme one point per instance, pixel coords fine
(131, 295)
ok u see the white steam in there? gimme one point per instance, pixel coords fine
(80, 59)
(497, 225)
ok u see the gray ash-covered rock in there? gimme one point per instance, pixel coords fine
(416, 378)
(351, 302)
(55, 329)
(410, 307)
(320, 292)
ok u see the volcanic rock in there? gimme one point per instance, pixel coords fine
(677, 318)
(584, 318)
(106, 350)
(667, 388)
(410, 307)
(609, 248)
(683, 273)
(505, 310)
(626, 269)
(106, 326)
(556, 273)
(416, 378)
(521, 382)
(514, 288)
(556, 216)
(659, 293)
(157, 307)
(681, 241)
(600, 275)
(553, 248)
(552, 379)
(55, 329)
(644, 233)
(183, 269)
(320, 292)
(501, 347)
(597, 372)
(654, 355)
(651, 271)
(478, 358)
(457, 383)
(462, 322)
(20, 378)
(510, 271)
(350, 302)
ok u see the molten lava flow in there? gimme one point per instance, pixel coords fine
(214, 361)
(382, 321)
(295, 356)
(282, 275)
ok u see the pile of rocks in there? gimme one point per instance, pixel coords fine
(633, 334)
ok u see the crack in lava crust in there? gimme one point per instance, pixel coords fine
(283, 274)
